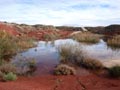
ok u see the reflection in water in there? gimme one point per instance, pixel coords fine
(102, 52)
(47, 56)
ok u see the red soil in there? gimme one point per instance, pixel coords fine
(89, 82)
(8, 28)
(40, 33)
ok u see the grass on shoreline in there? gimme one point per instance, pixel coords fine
(114, 41)
(86, 37)
(51, 36)
(74, 54)
(10, 45)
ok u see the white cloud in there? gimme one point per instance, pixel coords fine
(61, 12)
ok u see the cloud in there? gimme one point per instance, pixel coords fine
(61, 12)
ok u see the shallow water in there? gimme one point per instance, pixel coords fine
(47, 56)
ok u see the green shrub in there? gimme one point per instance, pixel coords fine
(63, 69)
(9, 76)
(7, 45)
(114, 71)
(10, 45)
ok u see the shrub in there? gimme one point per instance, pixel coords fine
(1, 62)
(70, 53)
(1, 74)
(51, 36)
(24, 42)
(10, 45)
(114, 71)
(7, 67)
(25, 66)
(114, 42)
(91, 63)
(7, 45)
(9, 76)
(63, 69)
(87, 37)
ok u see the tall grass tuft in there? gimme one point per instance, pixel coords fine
(71, 53)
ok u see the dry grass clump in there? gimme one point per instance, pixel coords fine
(25, 66)
(87, 37)
(7, 67)
(114, 71)
(74, 54)
(70, 53)
(10, 45)
(51, 36)
(114, 42)
(91, 63)
(8, 72)
(24, 42)
(64, 69)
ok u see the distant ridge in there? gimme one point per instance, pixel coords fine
(24, 28)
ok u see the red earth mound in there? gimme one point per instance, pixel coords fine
(8, 28)
(32, 31)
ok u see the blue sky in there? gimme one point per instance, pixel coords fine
(61, 12)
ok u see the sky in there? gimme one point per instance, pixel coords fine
(61, 12)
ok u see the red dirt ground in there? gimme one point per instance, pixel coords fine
(40, 33)
(8, 28)
(49, 82)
